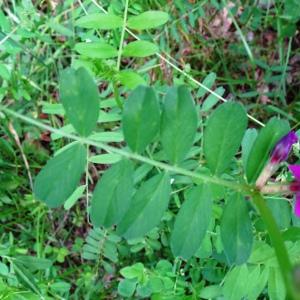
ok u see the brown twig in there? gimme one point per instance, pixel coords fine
(17, 140)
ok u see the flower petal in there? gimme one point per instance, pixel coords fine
(283, 147)
(295, 169)
(297, 205)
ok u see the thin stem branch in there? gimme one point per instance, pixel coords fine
(122, 35)
(171, 168)
(18, 142)
(87, 183)
(242, 36)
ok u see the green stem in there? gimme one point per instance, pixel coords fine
(122, 35)
(117, 95)
(87, 183)
(110, 149)
(115, 88)
(284, 262)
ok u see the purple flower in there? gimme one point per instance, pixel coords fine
(283, 147)
(279, 154)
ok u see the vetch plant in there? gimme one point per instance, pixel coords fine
(165, 135)
(279, 154)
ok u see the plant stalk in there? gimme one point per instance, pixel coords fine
(277, 241)
(111, 149)
(122, 35)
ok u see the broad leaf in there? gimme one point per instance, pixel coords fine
(276, 288)
(247, 143)
(147, 207)
(34, 263)
(76, 195)
(281, 210)
(4, 73)
(211, 292)
(179, 123)
(141, 118)
(126, 287)
(96, 50)
(192, 222)
(147, 20)
(135, 271)
(105, 159)
(139, 49)
(61, 175)
(208, 81)
(212, 99)
(100, 21)
(25, 278)
(263, 145)
(292, 234)
(131, 79)
(223, 135)
(257, 280)
(236, 283)
(112, 195)
(80, 98)
(236, 230)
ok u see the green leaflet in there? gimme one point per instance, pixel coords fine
(100, 50)
(236, 230)
(223, 135)
(112, 195)
(141, 118)
(147, 20)
(100, 21)
(139, 49)
(80, 98)
(192, 222)
(59, 178)
(147, 207)
(179, 123)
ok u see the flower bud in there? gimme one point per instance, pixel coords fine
(283, 147)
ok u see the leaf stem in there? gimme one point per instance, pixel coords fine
(117, 95)
(87, 183)
(284, 262)
(110, 149)
(122, 35)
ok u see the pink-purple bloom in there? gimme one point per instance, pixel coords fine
(283, 147)
(279, 154)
